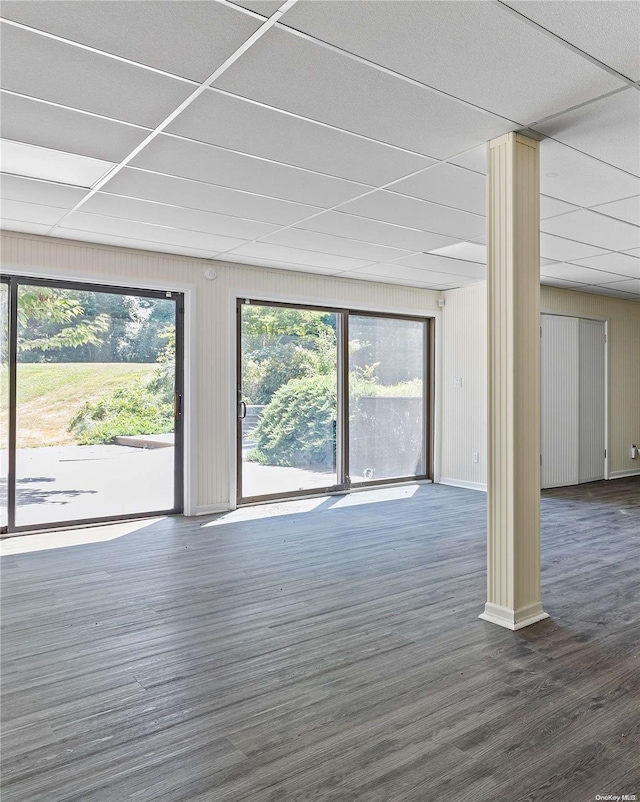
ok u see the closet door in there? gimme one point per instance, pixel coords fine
(592, 401)
(560, 402)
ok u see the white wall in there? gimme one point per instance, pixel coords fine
(214, 314)
(463, 410)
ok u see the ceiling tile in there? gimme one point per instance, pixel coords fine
(552, 207)
(469, 47)
(235, 170)
(181, 40)
(277, 264)
(241, 125)
(467, 251)
(449, 185)
(97, 224)
(627, 210)
(31, 212)
(30, 190)
(393, 208)
(570, 272)
(325, 243)
(474, 159)
(634, 252)
(25, 120)
(628, 285)
(576, 178)
(275, 253)
(444, 264)
(25, 228)
(361, 228)
(197, 195)
(292, 73)
(550, 281)
(176, 217)
(45, 68)
(623, 264)
(610, 32)
(599, 290)
(403, 273)
(594, 229)
(264, 7)
(608, 129)
(32, 161)
(564, 249)
(102, 238)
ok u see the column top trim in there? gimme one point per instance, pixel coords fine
(513, 136)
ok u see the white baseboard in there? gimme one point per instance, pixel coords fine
(462, 483)
(513, 619)
(212, 509)
(623, 474)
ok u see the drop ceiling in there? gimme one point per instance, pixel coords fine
(344, 138)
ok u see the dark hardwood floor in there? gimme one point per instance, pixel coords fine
(334, 654)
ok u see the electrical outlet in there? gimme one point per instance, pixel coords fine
(457, 382)
(476, 456)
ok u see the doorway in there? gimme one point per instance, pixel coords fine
(91, 403)
(573, 410)
(330, 399)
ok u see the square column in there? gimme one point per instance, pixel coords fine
(513, 434)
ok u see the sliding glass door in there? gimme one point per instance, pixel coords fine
(94, 406)
(329, 399)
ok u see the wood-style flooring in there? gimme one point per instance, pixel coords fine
(329, 654)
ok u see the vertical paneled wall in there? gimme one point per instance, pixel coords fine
(214, 335)
(464, 345)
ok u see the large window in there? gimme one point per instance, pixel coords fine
(329, 399)
(91, 399)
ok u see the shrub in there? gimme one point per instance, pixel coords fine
(128, 411)
(297, 428)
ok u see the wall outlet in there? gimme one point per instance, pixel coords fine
(457, 382)
(476, 456)
(634, 452)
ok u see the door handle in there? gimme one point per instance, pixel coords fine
(242, 410)
(177, 405)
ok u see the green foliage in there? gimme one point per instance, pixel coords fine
(145, 408)
(298, 427)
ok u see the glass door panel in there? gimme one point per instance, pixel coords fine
(4, 402)
(96, 415)
(387, 408)
(287, 400)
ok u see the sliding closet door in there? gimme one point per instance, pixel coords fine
(592, 401)
(560, 386)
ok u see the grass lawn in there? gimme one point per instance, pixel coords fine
(49, 395)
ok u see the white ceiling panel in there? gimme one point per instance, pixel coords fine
(634, 252)
(390, 207)
(467, 251)
(444, 264)
(325, 243)
(401, 271)
(293, 256)
(264, 7)
(474, 159)
(97, 224)
(131, 242)
(550, 281)
(31, 212)
(608, 129)
(599, 290)
(627, 210)
(544, 76)
(174, 37)
(449, 185)
(552, 207)
(244, 126)
(576, 178)
(623, 264)
(628, 285)
(288, 72)
(195, 195)
(51, 70)
(594, 229)
(607, 31)
(361, 228)
(570, 272)
(176, 217)
(225, 168)
(564, 250)
(277, 264)
(36, 123)
(32, 161)
(24, 228)
(29, 190)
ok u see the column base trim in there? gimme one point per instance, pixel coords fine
(513, 619)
